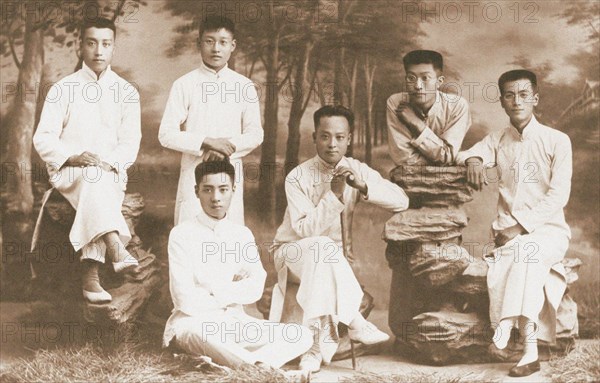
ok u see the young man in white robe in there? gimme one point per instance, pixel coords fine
(212, 112)
(533, 165)
(308, 245)
(426, 126)
(89, 134)
(215, 269)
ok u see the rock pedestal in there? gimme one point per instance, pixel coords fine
(56, 267)
(438, 298)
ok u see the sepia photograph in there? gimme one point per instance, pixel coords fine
(325, 191)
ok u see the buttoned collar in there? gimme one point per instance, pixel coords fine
(325, 167)
(437, 105)
(210, 222)
(528, 131)
(221, 72)
(435, 108)
(89, 75)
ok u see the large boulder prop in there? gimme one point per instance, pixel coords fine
(56, 270)
(438, 298)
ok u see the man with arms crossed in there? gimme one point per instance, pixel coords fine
(426, 126)
(214, 269)
(212, 113)
(534, 165)
(89, 134)
(308, 245)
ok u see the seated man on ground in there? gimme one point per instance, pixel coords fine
(426, 126)
(88, 144)
(308, 246)
(214, 269)
(534, 166)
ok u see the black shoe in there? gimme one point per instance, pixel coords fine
(524, 370)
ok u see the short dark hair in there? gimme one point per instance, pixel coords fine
(214, 23)
(424, 57)
(517, 74)
(98, 22)
(214, 167)
(334, 110)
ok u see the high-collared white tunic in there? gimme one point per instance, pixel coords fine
(101, 115)
(309, 241)
(208, 317)
(534, 173)
(447, 122)
(205, 103)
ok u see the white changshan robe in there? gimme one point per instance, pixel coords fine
(102, 116)
(208, 317)
(526, 276)
(204, 103)
(308, 245)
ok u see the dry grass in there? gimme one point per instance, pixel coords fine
(416, 377)
(124, 365)
(581, 365)
(588, 306)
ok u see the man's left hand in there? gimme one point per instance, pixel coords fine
(408, 117)
(212, 155)
(507, 234)
(353, 179)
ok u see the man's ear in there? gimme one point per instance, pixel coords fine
(233, 45)
(196, 190)
(536, 99)
(314, 136)
(349, 138)
(440, 80)
(233, 186)
(78, 44)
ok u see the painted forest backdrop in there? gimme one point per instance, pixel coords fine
(302, 54)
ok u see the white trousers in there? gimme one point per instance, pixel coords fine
(327, 286)
(525, 278)
(97, 197)
(232, 339)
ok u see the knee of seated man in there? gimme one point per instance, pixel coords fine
(101, 180)
(324, 250)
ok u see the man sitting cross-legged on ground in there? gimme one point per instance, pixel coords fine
(526, 279)
(214, 269)
(308, 244)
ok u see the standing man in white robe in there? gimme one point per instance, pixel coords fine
(89, 134)
(214, 269)
(534, 166)
(212, 112)
(308, 245)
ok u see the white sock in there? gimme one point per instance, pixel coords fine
(502, 333)
(530, 353)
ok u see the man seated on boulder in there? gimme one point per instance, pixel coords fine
(214, 269)
(534, 166)
(308, 245)
(88, 143)
(425, 125)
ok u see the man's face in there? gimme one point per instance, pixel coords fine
(97, 48)
(422, 82)
(216, 48)
(214, 192)
(332, 138)
(518, 100)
